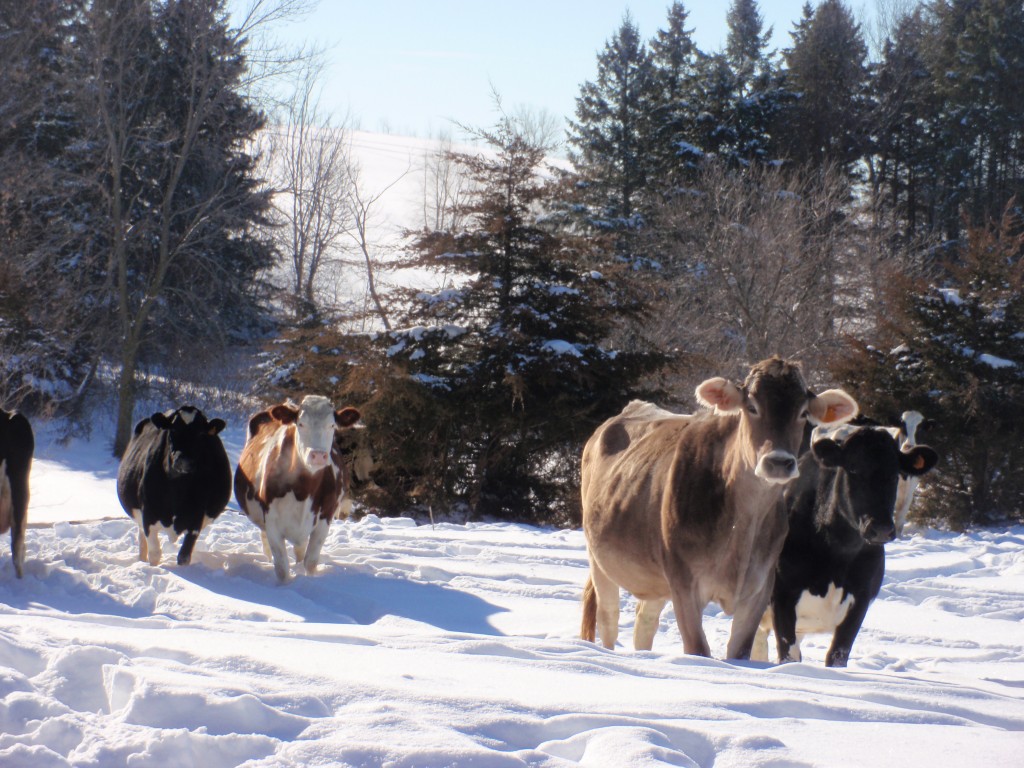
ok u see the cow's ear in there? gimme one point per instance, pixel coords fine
(833, 406)
(918, 460)
(160, 421)
(720, 394)
(346, 417)
(827, 452)
(214, 426)
(285, 413)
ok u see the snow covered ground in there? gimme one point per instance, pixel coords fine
(457, 646)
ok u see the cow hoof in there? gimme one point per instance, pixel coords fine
(184, 560)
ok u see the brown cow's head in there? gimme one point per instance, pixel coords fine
(774, 404)
(315, 420)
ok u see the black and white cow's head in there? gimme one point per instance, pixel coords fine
(869, 461)
(188, 434)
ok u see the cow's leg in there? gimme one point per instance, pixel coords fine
(19, 512)
(266, 546)
(759, 651)
(185, 553)
(648, 613)
(787, 642)
(842, 639)
(274, 540)
(689, 616)
(300, 550)
(607, 593)
(143, 542)
(316, 542)
(745, 621)
(153, 545)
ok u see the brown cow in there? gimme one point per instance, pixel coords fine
(291, 480)
(690, 508)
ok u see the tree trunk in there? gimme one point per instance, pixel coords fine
(126, 392)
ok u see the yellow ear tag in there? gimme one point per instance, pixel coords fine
(919, 462)
(830, 414)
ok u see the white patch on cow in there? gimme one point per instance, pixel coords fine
(187, 415)
(288, 519)
(815, 613)
(911, 420)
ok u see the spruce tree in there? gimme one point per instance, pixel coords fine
(827, 70)
(674, 155)
(952, 348)
(610, 137)
(742, 92)
(508, 360)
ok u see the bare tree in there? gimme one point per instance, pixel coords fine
(310, 166)
(755, 264)
(168, 201)
(444, 186)
(372, 250)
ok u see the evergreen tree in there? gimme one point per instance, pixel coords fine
(41, 311)
(178, 199)
(507, 360)
(953, 349)
(826, 69)
(610, 136)
(903, 119)
(976, 56)
(742, 92)
(674, 155)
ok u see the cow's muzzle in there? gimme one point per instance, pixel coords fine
(875, 532)
(777, 467)
(317, 459)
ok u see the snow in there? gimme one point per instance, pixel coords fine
(458, 645)
(561, 347)
(995, 362)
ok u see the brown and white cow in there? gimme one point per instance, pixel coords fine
(290, 480)
(690, 508)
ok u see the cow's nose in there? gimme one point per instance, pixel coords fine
(317, 459)
(777, 467)
(879, 532)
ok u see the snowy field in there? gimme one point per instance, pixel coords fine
(457, 646)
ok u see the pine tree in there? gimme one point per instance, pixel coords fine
(178, 199)
(674, 155)
(610, 136)
(826, 69)
(903, 118)
(953, 349)
(507, 360)
(976, 57)
(742, 92)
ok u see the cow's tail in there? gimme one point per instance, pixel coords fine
(589, 625)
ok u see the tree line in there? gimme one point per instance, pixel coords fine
(850, 200)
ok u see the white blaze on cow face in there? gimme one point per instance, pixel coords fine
(315, 426)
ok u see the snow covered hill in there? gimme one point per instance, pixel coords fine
(457, 646)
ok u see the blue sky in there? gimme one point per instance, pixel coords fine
(412, 66)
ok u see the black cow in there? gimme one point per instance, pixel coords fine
(174, 475)
(833, 560)
(16, 447)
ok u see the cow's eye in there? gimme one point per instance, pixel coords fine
(806, 414)
(752, 409)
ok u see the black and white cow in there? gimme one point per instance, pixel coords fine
(912, 424)
(16, 447)
(174, 476)
(840, 515)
